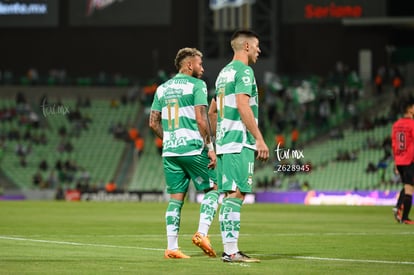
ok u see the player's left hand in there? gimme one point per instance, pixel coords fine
(213, 159)
(262, 150)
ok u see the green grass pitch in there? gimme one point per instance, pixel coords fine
(38, 237)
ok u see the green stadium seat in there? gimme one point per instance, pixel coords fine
(95, 149)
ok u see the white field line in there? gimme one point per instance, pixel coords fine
(355, 260)
(266, 234)
(76, 244)
(160, 249)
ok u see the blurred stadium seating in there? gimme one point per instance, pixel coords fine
(148, 175)
(95, 149)
(105, 157)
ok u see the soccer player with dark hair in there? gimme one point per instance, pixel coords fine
(238, 138)
(403, 150)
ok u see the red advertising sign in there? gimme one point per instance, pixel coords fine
(332, 11)
(72, 195)
(321, 11)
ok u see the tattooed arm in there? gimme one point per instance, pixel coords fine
(155, 123)
(201, 118)
(212, 114)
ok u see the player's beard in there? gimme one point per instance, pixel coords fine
(197, 74)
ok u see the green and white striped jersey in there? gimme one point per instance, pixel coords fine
(175, 99)
(232, 135)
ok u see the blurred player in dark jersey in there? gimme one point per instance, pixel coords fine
(403, 150)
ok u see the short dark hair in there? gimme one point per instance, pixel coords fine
(406, 103)
(247, 33)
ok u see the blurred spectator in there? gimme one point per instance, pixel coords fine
(20, 98)
(133, 133)
(70, 166)
(83, 102)
(42, 139)
(58, 75)
(158, 144)
(337, 133)
(13, 134)
(139, 145)
(387, 147)
(371, 168)
(60, 194)
(82, 187)
(23, 161)
(306, 187)
(52, 179)
(382, 167)
(346, 155)
(62, 131)
(102, 79)
(324, 113)
(294, 185)
(37, 179)
(352, 112)
(7, 114)
(74, 116)
(132, 94)
(100, 185)
(124, 99)
(280, 141)
(371, 143)
(119, 131)
(65, 146)
(22, 150)
(114, 103)
(59, 165)
(85, 176)
(33, 76)
(68, 147)
(294, 137)
(27, 136)
(43, 166)
(111, 187)
(148, 93)
(396, 84)
(34, 119)
(378, 83)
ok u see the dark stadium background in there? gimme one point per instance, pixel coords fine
(130, 42)
(139, 49)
